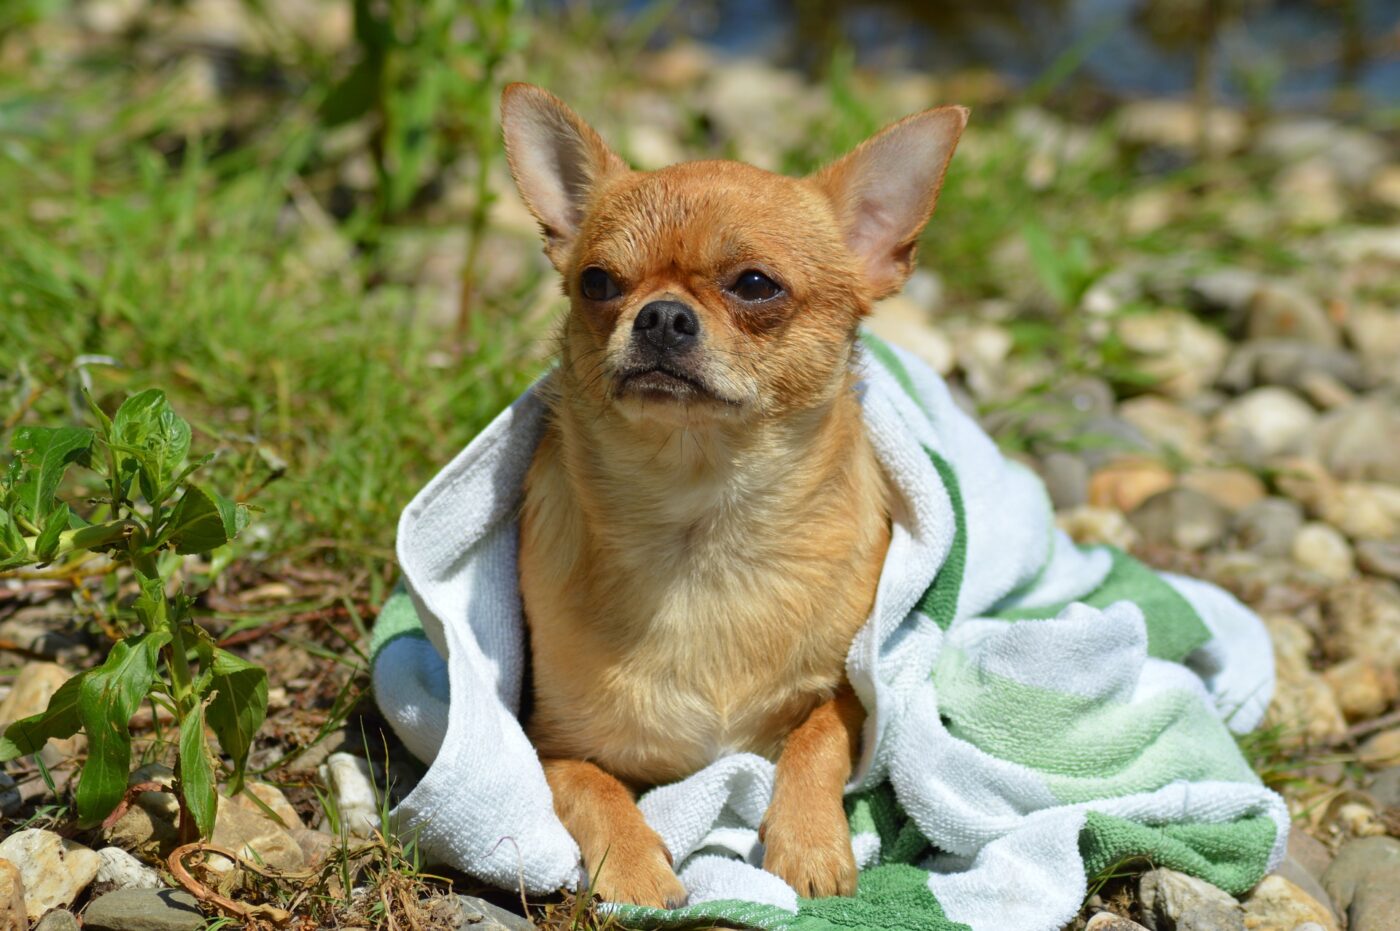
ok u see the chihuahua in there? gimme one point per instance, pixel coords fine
(704, 520)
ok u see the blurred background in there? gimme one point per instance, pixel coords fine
(1164, 272)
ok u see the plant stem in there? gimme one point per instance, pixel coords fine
(88, 538)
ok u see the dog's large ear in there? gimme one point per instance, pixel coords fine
(885, 191)
(557, 161)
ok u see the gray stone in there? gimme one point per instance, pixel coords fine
(1360, 442)
(58, 920)
(1268, 527)
(469, 912)
(1325, 551)
(1364, 882)
(1354, 154)
(1284, 311)
(1066, 478)
(1308, 853)
(1181, 517)
(1172, 900)
(1385, 787)
(144, 910)
(1290, 364)
(1378, 557)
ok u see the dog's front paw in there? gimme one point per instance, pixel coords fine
(810, 852)
(637, 873)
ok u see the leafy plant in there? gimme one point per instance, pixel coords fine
(151, 513)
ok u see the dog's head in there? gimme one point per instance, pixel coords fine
(717, 290)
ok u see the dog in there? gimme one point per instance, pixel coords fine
(704, 520)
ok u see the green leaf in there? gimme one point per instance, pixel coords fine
(203, 520)
(12, 543)
(109, 696)
(48, 451)
(150, 439)
(59, 720)
(197, 781)
(237, 709)
(47, 544)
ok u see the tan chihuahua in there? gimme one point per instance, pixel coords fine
(705, 519)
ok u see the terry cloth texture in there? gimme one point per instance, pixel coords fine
(1037, 712)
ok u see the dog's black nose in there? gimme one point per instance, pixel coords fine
(666, 325)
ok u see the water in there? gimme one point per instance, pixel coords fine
(1289, 53)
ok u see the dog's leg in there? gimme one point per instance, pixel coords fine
(806, 838)
(624, 857)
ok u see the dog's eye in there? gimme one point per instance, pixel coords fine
(597, 285)
(754, 286)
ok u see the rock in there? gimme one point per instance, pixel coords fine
(1107, 921)
(1363, 510)
(1167, 425)
(902, 321)
(1354, 154)
(13, 913)
(1126, 483)
(1180, 517)
(981, 351)
(58, 920)
(1296, 365)
(1090, 525)
(55, 871)
(1304, 480)
(1359, 443)
(1381, 751)
(32, 630)
(1364, 883)
(1385, 787)
(1183, 354)
(352, 788)
(315, 845)
(149, 825)
(1385, 187)
(1278, 905)
(1176, 124)
(120, 870)
(1364, 619)
(1291, 871)
(144, 910)
(1325, 551)
(1324, 391)
(1174, 900)
(1310, 193)
(1364, 688)
(1308, 853)
(249, 832)
(1263, 423)
(30, 695)
(1378, 557)
(10, 799)
(1066, 477)
(1232, 489)
(1375, 332)
(1303, 705)
(1267, 527)
(1285, 311)
(469, 912)
(272, 797)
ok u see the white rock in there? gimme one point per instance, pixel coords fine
(1184, 354)
(1262, 423)
(120, 870)
(905, 323)
(352, 789)
(1325, 551)
(55, 871)
(1175, 124)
